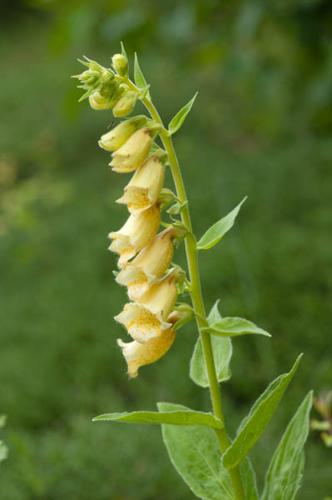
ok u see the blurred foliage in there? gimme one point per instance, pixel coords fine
(271, 60)
(259, 127)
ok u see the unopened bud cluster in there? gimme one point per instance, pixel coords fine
(145, 255)
(104, 88)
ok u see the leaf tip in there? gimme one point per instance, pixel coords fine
(98, 418)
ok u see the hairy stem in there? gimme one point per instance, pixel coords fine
(196, 289)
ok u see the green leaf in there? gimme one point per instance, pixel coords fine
(177, 121)
(260, 415)
(195, 454)
(138, 75)
(186, 417)
(216, 232)
(234, 327)
(248, 477)
(284, 475)
(123, 50)
(222, 353)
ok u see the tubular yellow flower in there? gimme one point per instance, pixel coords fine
(137, 354)
(144, 188)
(149, 265)
(135, 234)
(147, 318)
(115, 138)
(133, 153)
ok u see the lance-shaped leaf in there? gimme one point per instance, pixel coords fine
(180, 116)
(284, 475)
(139, 77)
(178, 417)
(195, 454)
(123, 50)
(216, 232)
(260, 415)
(234, 327)
(249, 480)
(222, 354)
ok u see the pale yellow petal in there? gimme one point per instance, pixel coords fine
(144, 188)
(133, 153)
(138, 355)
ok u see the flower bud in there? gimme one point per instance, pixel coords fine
(115, 138)
(137, 354)
(146, 319)
(144, 188)
(149, 265)
(133, 153)
(120, 64)
(89, 78)
(125, 104)
(136, 233)
(97, 101)
(94, 77)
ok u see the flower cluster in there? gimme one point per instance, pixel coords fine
(145, 255)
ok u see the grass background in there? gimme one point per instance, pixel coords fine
(259, 128)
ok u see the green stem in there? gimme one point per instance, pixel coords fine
(196, 289)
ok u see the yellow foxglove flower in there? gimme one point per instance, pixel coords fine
(147, 319)
(144, 188)
(97, 101)
(134, 151)
(137, 354)
(135, 234)
(149, 265)
(115, 138)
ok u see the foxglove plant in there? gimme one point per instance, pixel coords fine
(213, 465)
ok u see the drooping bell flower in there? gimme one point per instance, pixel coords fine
(138, 355)
(134, 151)
(147, 318)
(148, 266)
(135, 234)
(115, 138)
(144, 188)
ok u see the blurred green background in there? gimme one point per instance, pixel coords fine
(260, 127)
